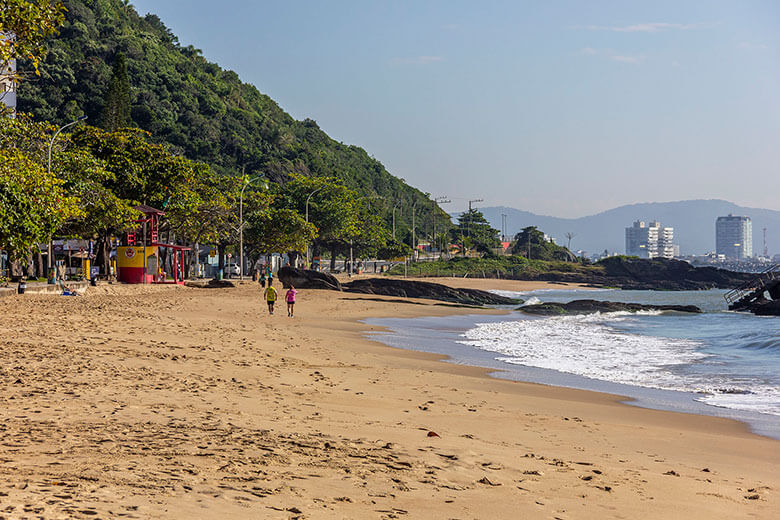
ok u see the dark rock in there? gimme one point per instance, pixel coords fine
(769, 308)
(307, 279)
(211, 284)
(592, 306)
(656, 274)
(426, 290)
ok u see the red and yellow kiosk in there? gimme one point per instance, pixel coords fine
(138, 260)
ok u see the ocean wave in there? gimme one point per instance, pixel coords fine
(598, 346)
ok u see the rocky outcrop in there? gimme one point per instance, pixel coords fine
(642, 274)
(768, 308)
(209, 284)
(307, 279)
(426, 290)
(593, 306)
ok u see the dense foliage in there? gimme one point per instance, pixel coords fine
(531, 243)
(32, 203)
(496, 267)
(24, 25)
(203, 112)
(474, 232)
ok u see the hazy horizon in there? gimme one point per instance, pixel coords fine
(565, 109)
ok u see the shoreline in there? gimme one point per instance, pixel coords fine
(194, 403)
(441, 343)
(739, 426)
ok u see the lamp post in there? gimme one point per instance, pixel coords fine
(307, 220)
(50, 255)
(247, 182)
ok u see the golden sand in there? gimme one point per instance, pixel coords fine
(160, 402)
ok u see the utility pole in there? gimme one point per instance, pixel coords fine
(414, 228)
(438, 200)
(468, 223)
(394, 208)
(503, 227)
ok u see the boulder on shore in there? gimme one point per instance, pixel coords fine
(593, 306)
(307, 279)
(768, 308)
(426, 290)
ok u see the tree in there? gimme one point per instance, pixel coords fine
(569, 237)
(32, 204)
(530, 242)
(393, 249)
(278, 230)
(473, 230)
(332, 208)
(116, 106)
(24, 26)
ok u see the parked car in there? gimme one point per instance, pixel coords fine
(232, 269)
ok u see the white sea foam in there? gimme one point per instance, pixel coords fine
(592, 346)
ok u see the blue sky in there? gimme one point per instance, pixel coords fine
(560, 108)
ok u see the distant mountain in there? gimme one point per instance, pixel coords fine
(693, 222)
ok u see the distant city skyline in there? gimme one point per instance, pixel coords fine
(561, 108)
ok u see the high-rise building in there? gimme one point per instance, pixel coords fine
(734, 237)
(650, 241)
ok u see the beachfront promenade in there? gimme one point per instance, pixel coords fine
(176, 402)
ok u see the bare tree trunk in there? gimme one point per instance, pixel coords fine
(221, 256)
(39, 259)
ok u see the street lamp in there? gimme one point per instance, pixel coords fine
(50, 256)
(394, 208)
(247, 182)
(307, 220)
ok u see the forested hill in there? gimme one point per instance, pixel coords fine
(203, 111)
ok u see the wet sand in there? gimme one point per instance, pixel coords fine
(160, 402)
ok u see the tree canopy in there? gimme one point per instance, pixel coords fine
(474, 231)
(530, 242)
(202, 111)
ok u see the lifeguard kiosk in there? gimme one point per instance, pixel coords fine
(138, 260)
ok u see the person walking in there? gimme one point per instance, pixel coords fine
(270, 277)
(262, 279)
(270, 297)
(290, 297)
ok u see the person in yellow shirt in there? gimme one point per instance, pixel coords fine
(270, 297)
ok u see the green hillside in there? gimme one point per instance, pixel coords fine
(204, 112)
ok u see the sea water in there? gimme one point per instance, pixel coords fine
(717, 363)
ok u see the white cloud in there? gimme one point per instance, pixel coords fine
(634, 60)
(651, 27)
(611, 54)
(752, 46)
(417, 60)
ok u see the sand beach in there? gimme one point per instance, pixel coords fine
(185, 403)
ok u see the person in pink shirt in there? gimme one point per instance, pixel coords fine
(290, 297)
